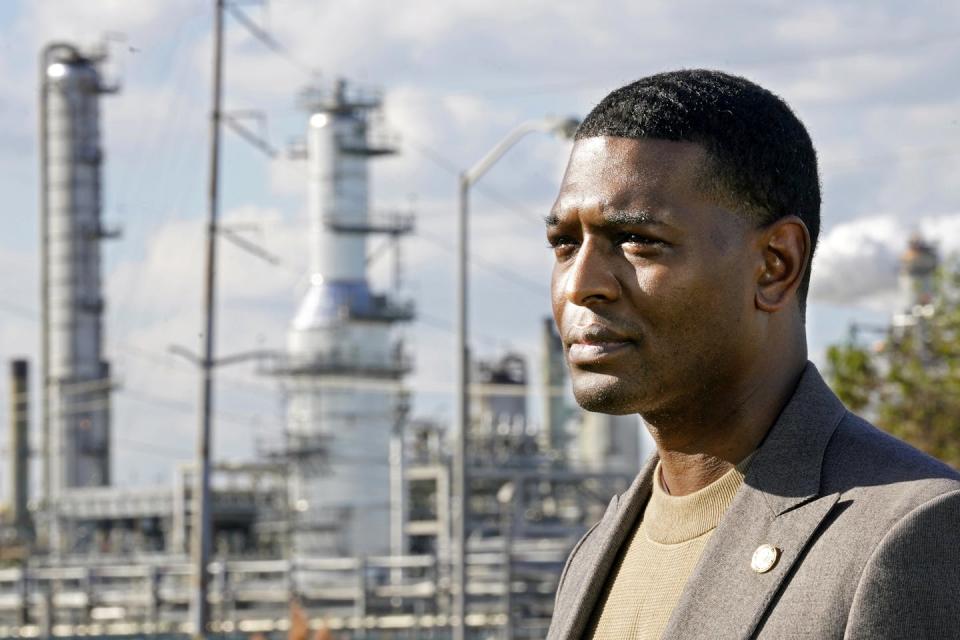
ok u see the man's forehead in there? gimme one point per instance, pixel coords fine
(623, 207)
(612, 174)
(632, 160)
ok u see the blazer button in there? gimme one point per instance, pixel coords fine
(764, 558)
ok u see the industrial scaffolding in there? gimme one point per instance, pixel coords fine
(350, 514)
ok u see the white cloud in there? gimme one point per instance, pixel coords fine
(155, 302)
(166, 280)
(84, 22)
(944, 232)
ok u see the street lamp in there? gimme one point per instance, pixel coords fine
(564, 127)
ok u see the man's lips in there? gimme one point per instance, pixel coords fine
(592, 344)
(581, 353)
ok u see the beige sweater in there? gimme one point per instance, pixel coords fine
(646, 582)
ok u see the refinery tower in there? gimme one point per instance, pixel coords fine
(76, 383)
(344, 362)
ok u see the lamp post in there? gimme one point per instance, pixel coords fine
(564, 127)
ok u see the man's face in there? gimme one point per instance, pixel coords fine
(653, 286)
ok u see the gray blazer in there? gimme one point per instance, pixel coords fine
(868, 528)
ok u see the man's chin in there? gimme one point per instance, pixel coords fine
(604, 394)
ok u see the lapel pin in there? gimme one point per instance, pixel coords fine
(764, 558)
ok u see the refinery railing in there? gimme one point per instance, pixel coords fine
(334, 363)
(374, 222)
(361, 595)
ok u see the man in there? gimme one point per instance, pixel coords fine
(683, 232)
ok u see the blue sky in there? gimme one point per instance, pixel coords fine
(875, 84)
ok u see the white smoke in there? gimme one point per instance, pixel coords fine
(857, 262)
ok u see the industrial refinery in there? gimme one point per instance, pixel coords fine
(349, 511)
(275, 298)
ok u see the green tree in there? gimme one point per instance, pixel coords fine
(909, 384)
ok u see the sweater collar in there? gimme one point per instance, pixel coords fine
(671, 519)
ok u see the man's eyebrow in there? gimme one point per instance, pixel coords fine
(631, 218)
(616, 218)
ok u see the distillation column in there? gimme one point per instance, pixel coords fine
(344, 363)
(75, 376)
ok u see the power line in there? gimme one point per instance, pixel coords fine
(347, 382)
(509, 276)
(270, 42)
(451, 167)
(19, 310)
(166, 169)
(528, 89)
(476, 260)
(879, 47)
(356, 383)
(925, 152)
(156, 449)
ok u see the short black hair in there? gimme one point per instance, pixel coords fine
(762, 163)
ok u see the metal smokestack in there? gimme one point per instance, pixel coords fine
(555, 412)
(918, 265)
(19, 448)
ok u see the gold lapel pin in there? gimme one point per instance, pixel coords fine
(764, 558)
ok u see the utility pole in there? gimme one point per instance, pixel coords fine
(200, 549)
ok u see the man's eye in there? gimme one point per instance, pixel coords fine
(638, 239)
(562, 246)
(560, 242)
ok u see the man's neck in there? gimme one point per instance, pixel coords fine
(697, 448)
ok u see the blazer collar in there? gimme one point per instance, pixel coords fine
(787, 466)
(610, 535)
(779, 504)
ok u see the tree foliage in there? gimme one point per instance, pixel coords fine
(909, 384)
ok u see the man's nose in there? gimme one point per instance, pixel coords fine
(590, 278)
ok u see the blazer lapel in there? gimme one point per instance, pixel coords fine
(725, 598)
(780, 504)
(610, 536)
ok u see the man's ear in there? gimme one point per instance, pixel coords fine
(785, 247)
